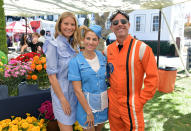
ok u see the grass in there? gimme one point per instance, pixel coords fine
(169, 111)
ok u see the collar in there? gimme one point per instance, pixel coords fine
(127, 40)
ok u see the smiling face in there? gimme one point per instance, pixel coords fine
(68, 26)
(120, 29)
(91, 41)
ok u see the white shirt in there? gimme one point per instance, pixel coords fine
(41, 39)
(94, 63)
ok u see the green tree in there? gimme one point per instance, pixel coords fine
(3, 41)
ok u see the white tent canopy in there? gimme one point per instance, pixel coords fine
(49, 7)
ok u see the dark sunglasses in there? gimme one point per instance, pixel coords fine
(116, 22)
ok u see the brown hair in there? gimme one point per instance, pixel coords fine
(35, 34)
(58, 28)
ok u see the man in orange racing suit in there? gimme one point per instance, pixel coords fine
(128, 62)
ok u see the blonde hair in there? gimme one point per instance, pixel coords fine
(58, 28)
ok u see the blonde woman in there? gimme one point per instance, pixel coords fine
(87, 71)
(58, 53)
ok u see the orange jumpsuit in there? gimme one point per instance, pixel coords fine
(126, 95)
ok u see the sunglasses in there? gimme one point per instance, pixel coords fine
(116, 22)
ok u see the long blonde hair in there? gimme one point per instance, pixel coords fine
(58, 28)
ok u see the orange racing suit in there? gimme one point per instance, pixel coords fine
(126, 95)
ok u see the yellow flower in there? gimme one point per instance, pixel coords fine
(1, 128)
(15, 128)
(42, 121)
(28, 114)
(29, 119)
(1, 64)
(15, 122)
(4, 125)
(3, 57)
(34, 119)
(18, 118)
(24, 125)
(8, 120)
(36, 128)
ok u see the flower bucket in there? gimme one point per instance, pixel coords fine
(13, 90)
(52, 126)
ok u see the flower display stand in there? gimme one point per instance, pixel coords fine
(22, 104)
(3, 92)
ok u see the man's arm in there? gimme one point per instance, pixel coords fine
(151, 79)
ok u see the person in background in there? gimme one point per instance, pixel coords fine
(130, 63)
(9, 43)
(58, 54)
(87, 71)
(42, 37)
(34, 44)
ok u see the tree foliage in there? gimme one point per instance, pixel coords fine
(3, 42)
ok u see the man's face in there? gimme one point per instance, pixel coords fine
(120, 26)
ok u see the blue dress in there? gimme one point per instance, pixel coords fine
(58, 54)
(93, 86)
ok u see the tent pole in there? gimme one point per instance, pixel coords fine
(158, 46)
(176, 47)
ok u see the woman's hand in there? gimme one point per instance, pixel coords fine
(90, 119)
(66, 107)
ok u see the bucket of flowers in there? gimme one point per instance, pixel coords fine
(14, 73)
(23, 124)
(38, 74)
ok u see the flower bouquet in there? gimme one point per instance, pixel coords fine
(27, 56)
(38, 74)
(30, 123)
(46, 112)
(14, 73)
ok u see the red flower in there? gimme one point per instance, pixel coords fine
(46, 110)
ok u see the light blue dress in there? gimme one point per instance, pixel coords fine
(93, 85)
(58, 54)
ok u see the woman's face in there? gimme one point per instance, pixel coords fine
(91, 41)
(34, 39)
(68, 26)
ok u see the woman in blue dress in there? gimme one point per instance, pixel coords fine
(58, 54)
(87, 71)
